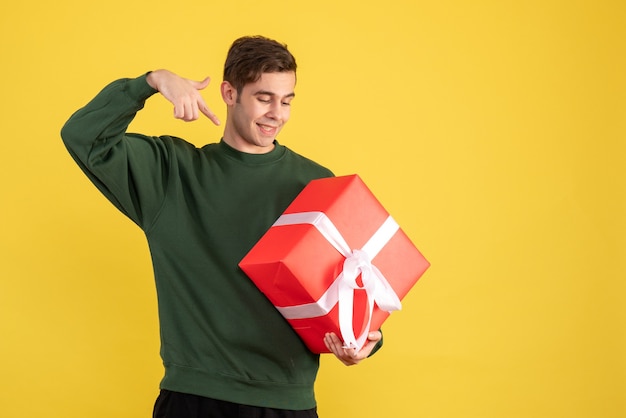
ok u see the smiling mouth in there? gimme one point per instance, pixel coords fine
(268, 129)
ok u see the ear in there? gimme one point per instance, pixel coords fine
(229, 93)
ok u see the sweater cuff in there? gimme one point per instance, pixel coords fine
(139, 88)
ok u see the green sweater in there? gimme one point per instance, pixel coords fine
(202, 209)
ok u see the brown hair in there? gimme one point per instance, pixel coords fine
(251, 56)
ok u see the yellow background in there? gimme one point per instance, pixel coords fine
(493, 131)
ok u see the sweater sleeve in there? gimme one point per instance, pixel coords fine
(129, 169)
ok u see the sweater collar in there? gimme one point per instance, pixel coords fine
(247, 158)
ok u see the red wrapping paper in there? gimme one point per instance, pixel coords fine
(296, 264)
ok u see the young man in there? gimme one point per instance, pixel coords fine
(226, 350)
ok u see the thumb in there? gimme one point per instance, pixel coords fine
(374, 336)
(201, 85)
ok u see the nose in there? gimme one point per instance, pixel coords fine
(276, 111)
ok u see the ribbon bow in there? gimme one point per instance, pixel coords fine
(357, 263)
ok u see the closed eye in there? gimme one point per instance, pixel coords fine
(266, 97)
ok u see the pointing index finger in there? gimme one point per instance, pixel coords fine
(209, 114)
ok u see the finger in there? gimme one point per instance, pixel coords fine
(367, 349)
(179, 110)
(333, 344)
(327, 343)
(201, 85)
(209, 114)
(193, 111)
(375, 336)
(185, 111)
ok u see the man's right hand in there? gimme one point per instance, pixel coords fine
(183, 93)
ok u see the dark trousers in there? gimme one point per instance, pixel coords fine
(181, 405)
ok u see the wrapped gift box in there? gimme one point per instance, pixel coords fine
(335, 261)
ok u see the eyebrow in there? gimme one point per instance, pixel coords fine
(269, 93)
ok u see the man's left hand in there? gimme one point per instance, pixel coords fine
(350, 356)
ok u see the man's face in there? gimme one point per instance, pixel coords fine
(258, 113)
